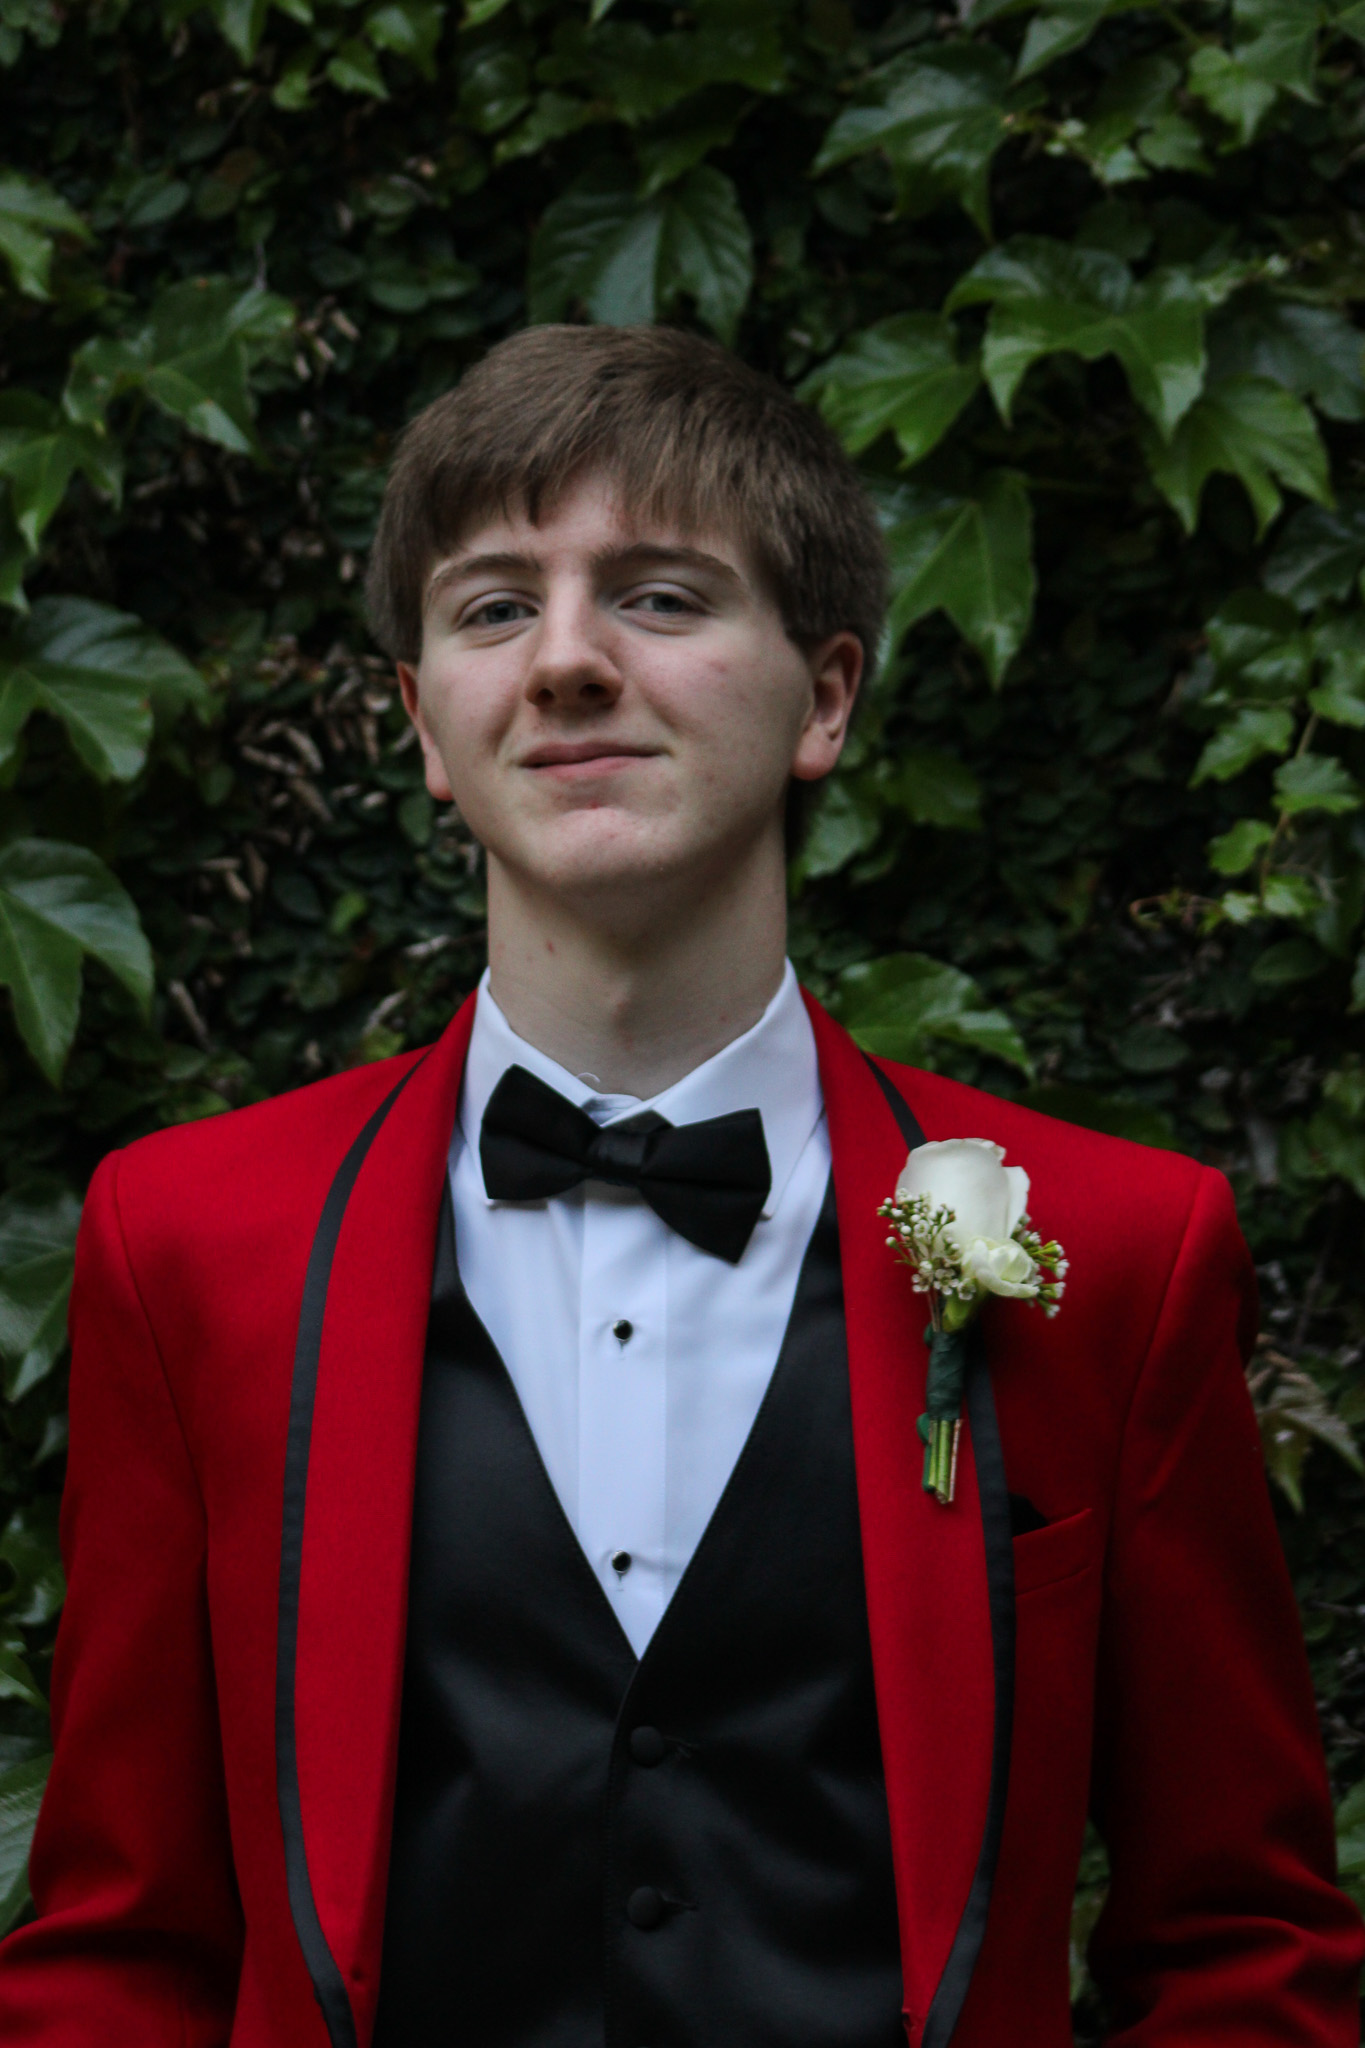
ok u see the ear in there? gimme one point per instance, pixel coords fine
(836, 668)
(438, 782)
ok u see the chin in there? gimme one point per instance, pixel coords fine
(605, 853)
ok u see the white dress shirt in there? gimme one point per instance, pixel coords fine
(640, 1362)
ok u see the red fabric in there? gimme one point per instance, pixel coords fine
(1161, 1677)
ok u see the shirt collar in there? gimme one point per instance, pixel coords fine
(771, 1067)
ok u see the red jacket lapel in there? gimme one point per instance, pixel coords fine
(353, 1456)
(925, 1565)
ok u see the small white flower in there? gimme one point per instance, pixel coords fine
(1001, 1268)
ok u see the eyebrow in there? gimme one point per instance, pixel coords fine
(664, 554)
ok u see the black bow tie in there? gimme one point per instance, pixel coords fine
(708, 1181)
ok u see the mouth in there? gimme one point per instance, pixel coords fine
(585, 757)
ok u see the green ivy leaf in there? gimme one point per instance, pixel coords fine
(553, 116)
(845, 821)
(938, 116)
(242, 23)
(903, 374)
(1249, 428)
(1048, 296)
(1233, 852)
(897, 1007)
(1314, 351)
(671, 148)
(29, 1546)
(293, 90)
(706, 252)
(1226, 86)
(1254, 636)
(1277, 41)
(1338, 704)
(597, 246)
(98, 671)
(21, 1794)
(411, 29)
(32, 216)
(1135, 124)
(17, 1681)
(1290, 896)
(1351, 1812)
(355, 69)
(40, 452)
(192, 358)
(626, 260)
(58, 903)
(1062, 26)
(1253, 730)
(1319, 554)
(637, 76)
(1340, 697)
(494, 87)
(936, 789)
(1316, 782)
(1293, 1415)
(1274, 45)
(37, 1247)
(1288, 962)
(973, 557)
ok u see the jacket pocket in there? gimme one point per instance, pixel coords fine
(1059, 1551)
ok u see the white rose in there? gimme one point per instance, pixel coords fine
(987, 1198)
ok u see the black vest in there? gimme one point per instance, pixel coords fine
(691, 1851)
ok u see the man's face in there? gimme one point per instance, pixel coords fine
(614, 704)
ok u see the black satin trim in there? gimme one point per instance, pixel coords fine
(329, 1987)
(946, 2006)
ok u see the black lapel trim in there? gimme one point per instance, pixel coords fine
(946, 2005)
(329, 1987)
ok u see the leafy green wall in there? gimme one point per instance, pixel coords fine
(1076, 284)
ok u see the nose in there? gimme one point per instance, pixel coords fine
(571, 665)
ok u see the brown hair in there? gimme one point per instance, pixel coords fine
(684, 429)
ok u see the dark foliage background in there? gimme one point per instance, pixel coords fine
(1076, 281)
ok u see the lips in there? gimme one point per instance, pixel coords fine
(585, 753)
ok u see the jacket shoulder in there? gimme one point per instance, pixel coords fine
(336, 1106)
(252, 1170)
(1102, 1178)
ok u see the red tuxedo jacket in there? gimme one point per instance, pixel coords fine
(249, 1320)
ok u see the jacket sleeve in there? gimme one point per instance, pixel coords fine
(138, 1930)
(1223, 1924)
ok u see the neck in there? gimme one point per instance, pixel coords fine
(638, 995)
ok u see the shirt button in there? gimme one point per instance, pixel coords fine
(644, 1907)
(647, 1746)
(622, 1330)
(620, 1562)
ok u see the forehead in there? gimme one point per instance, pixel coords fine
(592, 518)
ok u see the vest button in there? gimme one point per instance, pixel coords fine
(647, 1746)
(645, 1907)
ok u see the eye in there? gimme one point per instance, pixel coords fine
(497, 611)
(665, 604)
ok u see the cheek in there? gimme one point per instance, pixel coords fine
(461, 712)
(747, 711)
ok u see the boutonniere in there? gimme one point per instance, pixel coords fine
(959, 1220)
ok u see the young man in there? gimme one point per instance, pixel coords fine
(504, 1606)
